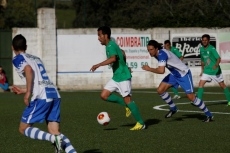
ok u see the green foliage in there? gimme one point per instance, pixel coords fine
(148, 14)
(19, 13)
(138, 14)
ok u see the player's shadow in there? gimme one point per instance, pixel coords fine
(148, 122)
(110, 129)
(187, 116)
(217, 103)
(93, 151)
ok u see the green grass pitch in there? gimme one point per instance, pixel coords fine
(183, 133)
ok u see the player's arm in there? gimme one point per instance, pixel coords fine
(202, 68)
(218, 59)
(29, 74)
(110, 60)
(158, 70)
(178, 54)
(217, 63)
(124, 55)
(181, 58)
(29, 78)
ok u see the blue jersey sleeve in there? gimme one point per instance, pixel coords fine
(162, 58)
(19, 62)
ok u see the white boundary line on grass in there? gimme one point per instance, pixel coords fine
(215, 101)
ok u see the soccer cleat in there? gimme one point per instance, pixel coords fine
(170, 113)
(208, 119)
(228, 104)
(138, 126)
(128, 112)
(57, 143)
(176, 97)
(191, 102)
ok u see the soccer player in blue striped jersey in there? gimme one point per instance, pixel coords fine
(174, 50)
(179, 75)
(44, 104)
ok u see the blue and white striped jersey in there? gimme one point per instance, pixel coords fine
(43, 88)
(172, 62)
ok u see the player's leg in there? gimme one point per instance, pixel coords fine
(107, 94)
(204, 78)
(124, 88)
(220, 80)
(53, 120)
(166, 83)
(186, 83)
(175, 92)
(35, 113)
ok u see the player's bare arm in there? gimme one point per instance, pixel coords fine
(202, 68)
(217, 63)
(29, 82)
(18, 90)
(106, 62)
(158, 70)
(123, 52)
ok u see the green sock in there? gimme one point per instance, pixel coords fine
(227, 94)
(200, 93)
(116, 99)
(175, 91)
(135, 112)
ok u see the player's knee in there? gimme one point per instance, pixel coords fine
(21, 130)
(160, 91)
(104, 97)
(54, 132)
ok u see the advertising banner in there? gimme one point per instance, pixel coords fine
(224, 50)
(78, 53)
(189, 44)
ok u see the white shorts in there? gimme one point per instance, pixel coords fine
(217, 78)
(124, 87)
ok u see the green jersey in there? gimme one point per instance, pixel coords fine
(176, 52)
(121, 71)
(209, 57)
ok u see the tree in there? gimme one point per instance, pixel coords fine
(19, 13)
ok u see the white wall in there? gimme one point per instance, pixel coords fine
(41, 41)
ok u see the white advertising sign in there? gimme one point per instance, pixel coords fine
(78, 53)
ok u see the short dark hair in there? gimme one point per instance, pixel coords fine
(19, 42)
(105, 30)
(206, 36)
(155, 44)
(167, 42)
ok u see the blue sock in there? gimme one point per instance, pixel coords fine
(199, 103)
(167, 98)
(66, 145)
(35, 133)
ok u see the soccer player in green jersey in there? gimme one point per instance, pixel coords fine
(121, 80)
(174, 50)
(210, 68)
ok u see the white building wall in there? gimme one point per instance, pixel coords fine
(42, 42)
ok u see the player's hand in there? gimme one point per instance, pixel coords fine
(145, 67)
(201, 73)
(26, 98)
(17, 90)
(94, 67)
(214, 67)
(130, 70)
